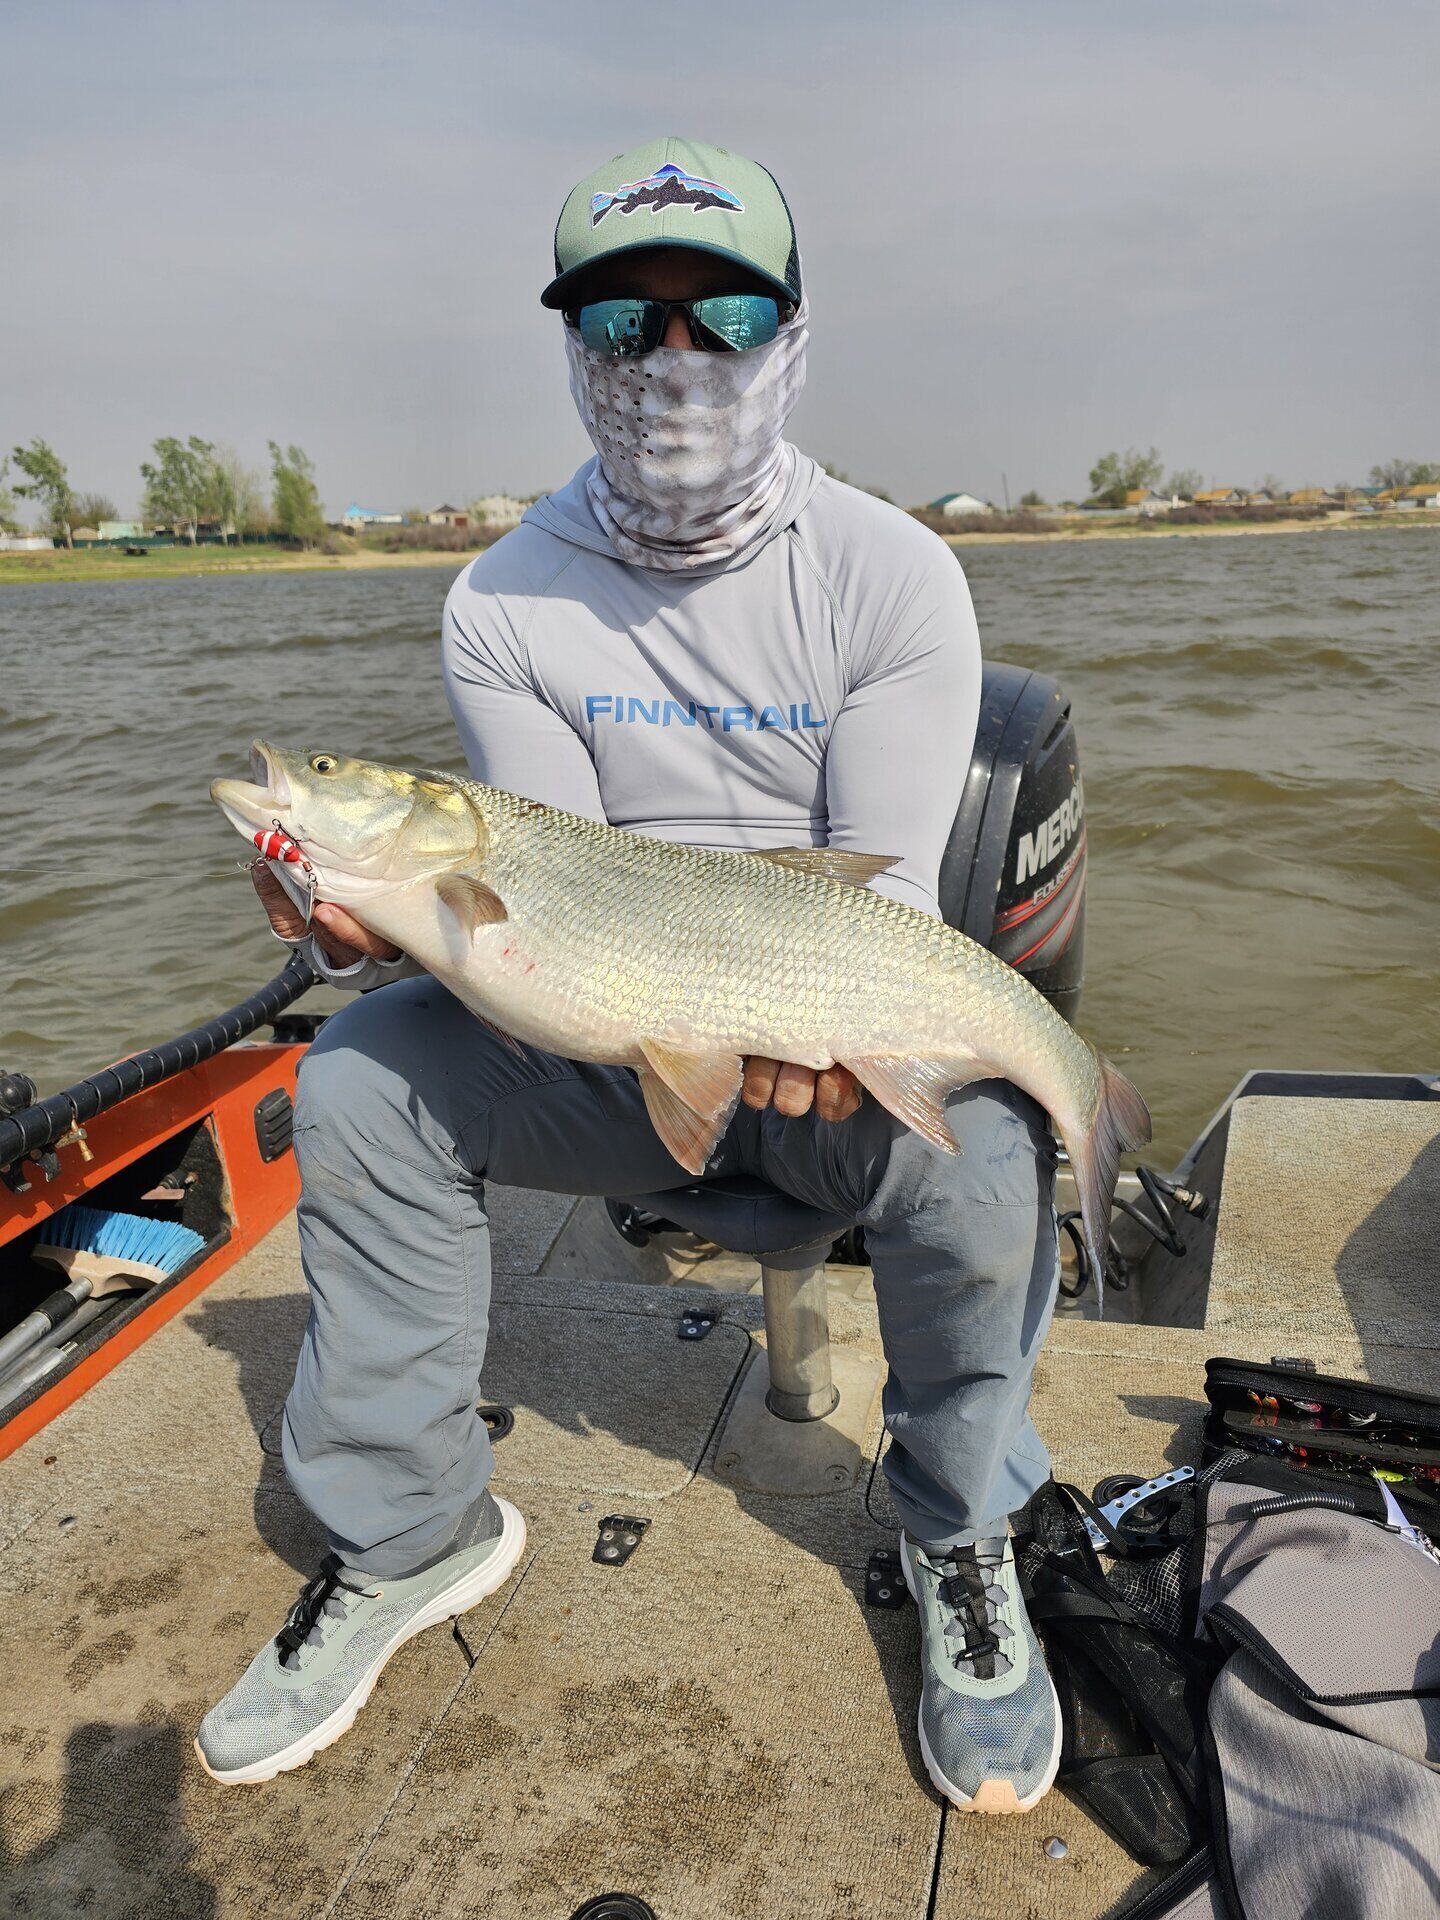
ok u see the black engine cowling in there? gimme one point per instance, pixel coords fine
(1013, 875)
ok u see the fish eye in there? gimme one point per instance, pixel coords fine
(323, 763)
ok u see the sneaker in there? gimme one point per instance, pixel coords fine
(304, 1688)
(989, 1715)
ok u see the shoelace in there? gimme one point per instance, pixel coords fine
(971, 1589)
(319, 1601)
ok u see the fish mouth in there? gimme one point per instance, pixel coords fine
(261, 800)
(266, 771)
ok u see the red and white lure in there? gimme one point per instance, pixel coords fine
(276, 846)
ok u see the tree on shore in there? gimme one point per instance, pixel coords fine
(1396, 475)
(236, 495)
(1185, 483)
(295, 498)
(47, 481)
(8, 521)
(1115, 474)
(176, 483)
(1032, 499)
(92, 508)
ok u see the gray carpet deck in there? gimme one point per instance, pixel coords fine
(719, 1726)
(1330, 1213)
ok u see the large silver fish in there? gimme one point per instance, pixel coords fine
(604, 945)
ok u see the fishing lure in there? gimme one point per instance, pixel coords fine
(275, 845)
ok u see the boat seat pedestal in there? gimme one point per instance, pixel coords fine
(797, 1423)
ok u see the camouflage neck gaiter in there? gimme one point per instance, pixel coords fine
(692, 468)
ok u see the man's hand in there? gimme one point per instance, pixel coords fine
(791, 1090)
(342, 939)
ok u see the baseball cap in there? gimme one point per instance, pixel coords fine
(677, 193)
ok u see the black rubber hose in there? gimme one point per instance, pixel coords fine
(37, 1127)
(1294, 1503)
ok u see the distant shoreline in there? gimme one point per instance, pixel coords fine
(89, 564)
(1079, 532)
(174, 563)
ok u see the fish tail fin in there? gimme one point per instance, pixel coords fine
(1120, 1125)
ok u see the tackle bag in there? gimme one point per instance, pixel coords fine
(1340, 1433)
(1252, 1706)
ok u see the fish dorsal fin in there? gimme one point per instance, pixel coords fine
(473, 904)
(691, 1098)
(913, 1087)
(831, 863)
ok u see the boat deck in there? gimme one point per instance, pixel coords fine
(720, 1725)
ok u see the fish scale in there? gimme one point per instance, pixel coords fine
(772, 946)
(599, 944)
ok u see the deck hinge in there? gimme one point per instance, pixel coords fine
(696, 1322)
(884, 1580)
(620, 1535)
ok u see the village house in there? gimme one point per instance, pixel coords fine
(1221, 497)
(956, 504)
(1148, 500)
(357, 518)
(1311, 497)
(498, 510)
(447, 517)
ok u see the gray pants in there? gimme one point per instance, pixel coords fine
(407, 1106)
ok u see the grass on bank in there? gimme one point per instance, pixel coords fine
(400, 546)
(448, 546)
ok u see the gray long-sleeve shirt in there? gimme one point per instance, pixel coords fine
(822, 689)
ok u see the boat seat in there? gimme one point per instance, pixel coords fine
(748, 1215)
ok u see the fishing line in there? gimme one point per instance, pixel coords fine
(61, 869)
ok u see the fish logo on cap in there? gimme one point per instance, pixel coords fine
(668, 186)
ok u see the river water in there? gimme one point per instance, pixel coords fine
(1259, 728)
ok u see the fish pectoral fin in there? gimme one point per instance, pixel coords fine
(473, 904)
(708, 1083)
(684, 1134)
(831, 863)
(913, 1087)
(690, 1097)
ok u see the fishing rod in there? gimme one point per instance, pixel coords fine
(34, 1126)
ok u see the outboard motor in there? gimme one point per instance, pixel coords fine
(1013, 875)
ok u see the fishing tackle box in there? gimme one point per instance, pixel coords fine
(1339, 1432)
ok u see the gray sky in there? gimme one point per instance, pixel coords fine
(1030, 233)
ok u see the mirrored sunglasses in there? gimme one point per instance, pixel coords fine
(720, 323)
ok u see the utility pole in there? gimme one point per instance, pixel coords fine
(1006, 485)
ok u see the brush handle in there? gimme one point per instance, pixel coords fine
(23, 1378)
(51, 1312)
(49, 1349)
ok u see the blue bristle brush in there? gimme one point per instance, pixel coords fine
(103, 1253)
(79, 1239)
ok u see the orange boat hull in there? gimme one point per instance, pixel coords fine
(219, 1094)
